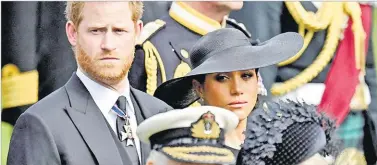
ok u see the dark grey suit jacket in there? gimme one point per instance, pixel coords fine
(67, 127)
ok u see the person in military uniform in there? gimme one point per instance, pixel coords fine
(36, 58)
(190, 136)
(162, 50)
(335, 66)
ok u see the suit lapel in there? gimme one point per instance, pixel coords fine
(137, 99)
(140, 117)
(90, 122)
(138, 113)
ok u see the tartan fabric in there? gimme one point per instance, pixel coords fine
(351, 131)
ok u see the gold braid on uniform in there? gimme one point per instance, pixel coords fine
(181, 70)
(152, 59)
(188, 153)
(353, 9)
(332, 13)
(313, 22)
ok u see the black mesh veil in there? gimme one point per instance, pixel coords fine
(287, 133)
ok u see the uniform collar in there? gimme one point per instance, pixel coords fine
(193, 20)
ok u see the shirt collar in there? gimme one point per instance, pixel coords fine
(193, 20)
(104, 97)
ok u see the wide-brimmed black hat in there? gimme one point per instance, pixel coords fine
(227, 50)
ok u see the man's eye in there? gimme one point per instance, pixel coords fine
(95, 31)
(120, 31)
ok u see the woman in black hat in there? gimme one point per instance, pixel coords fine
(225, 68)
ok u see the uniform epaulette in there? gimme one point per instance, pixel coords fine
(239, 26)
(149, 30)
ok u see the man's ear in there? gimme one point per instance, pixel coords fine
(149, 162)
(198, 88)
(71, 32)
(138, 28)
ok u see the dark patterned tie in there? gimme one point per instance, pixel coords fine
(124, 129)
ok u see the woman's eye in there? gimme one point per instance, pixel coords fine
(247, 75)
(221, 78)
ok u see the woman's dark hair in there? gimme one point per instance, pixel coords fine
(200, 78)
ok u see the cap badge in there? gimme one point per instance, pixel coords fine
(206, 127)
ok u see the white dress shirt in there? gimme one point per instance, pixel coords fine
(105, 98)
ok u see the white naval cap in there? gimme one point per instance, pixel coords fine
(184, 118)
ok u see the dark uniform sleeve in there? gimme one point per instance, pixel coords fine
(19, 42)
(35, 39)
(137, 74)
